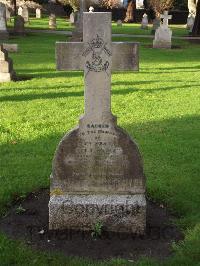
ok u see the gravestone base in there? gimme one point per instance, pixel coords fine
(7, 77)
(116, 213)
(162, 44)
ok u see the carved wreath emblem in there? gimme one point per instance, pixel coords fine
(97, 46)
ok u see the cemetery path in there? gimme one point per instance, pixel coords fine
(69, 33)
(27, 220)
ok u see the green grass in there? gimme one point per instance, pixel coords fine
(159, 107)
(127, 28)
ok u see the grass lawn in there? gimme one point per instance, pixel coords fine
(159, 107)
(127, 28)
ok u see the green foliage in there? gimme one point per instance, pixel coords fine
(97, 230)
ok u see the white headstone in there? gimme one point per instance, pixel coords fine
(38, 13)
(25, 14)
(20, 9)
(163, 34)
(52, 22)
(97, 164)
(72, 18)
(190, 22)
(145, 22)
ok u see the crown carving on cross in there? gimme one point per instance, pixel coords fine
(97, 42)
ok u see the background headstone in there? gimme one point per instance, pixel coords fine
(91, 9)
(25, 14)
(38, 13)
(119, 23)
(163, 35)
(97, 173)
(20, 9)
(72, 18)
(19, 25)
(156, 25)
(3, 29)
(6, 67)
(145, 22)
(52, 22)
(190, 22)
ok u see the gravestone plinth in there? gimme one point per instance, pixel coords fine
(6, 66)
(97, 173)
(3, 29)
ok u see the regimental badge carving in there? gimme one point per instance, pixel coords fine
(97, 47)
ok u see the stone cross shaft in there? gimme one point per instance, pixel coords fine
(165, 18)
(97, 55)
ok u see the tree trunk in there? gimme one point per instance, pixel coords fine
(14, 3)
(196, 28)
(130, 10)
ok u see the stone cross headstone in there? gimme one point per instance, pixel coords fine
(52, 22)
(97, 173)
(38, 13)
(145, 22)
(6, 66)
(119, 23)
(163, 35)
(25, 14)
(20, 9)
(190, 22)
(3, 29)
(19, 25)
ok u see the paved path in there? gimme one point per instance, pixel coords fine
(69, 33)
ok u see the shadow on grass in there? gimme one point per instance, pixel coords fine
(49, 73)
(65, 94)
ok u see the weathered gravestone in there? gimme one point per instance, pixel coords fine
(3, 29)
(145, 22)
(38, 13)
(97, 173)
(163, 35)
(25, 14)
(19, 25)
(6, 66)
(52, 22)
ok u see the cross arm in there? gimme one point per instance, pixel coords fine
(125, 56)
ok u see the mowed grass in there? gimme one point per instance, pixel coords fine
(127, 28)
(158, 107)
